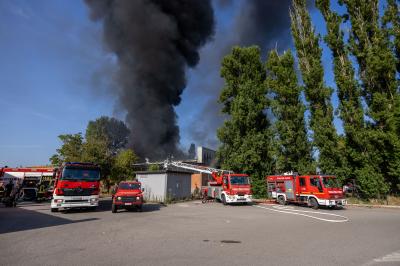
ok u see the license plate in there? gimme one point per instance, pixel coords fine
(77, 198)
(128, 203)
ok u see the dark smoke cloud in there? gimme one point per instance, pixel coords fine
(265, 23)
(154, 41)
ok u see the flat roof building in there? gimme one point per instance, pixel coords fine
(165, 185)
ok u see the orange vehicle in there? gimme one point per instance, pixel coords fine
(128, 195)
(311, 190)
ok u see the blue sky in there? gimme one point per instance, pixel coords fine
(53, 78)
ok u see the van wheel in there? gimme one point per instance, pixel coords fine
(54, 210)
(281, 200)
(314, 203)
(223, 199)
(113, 208)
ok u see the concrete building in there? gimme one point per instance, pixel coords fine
(166, 184)
(206, 156)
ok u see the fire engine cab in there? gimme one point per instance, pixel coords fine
(311, 190)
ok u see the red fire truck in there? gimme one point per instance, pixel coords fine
(30, 178)
(312, 190)
(226, 186)
(77, 185)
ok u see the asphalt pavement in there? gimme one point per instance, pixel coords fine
(192, 233)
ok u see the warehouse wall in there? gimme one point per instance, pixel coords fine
(196, 182)
(154, 185)
(178, 185)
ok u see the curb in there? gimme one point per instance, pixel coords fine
(267, 201)
(374, 206)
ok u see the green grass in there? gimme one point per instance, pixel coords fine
(391, 200)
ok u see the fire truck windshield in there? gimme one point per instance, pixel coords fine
(239, 180)
(80, 174)
(330, 182)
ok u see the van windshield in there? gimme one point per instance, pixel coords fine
(331, 182)
(239, 180)
(129, 186)
(80, 174)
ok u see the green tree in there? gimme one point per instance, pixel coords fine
(153, 167)
(71, 149)
(317, 93)
(348, 90)
(122, 168)
(245, 136)
(372, 48)
(114, 131)
(392, 16)
(105, 138)
(294, 149)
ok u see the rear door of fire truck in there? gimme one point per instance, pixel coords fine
(290, 186)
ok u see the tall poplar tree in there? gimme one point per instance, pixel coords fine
(371, 47)
(294, 149)
(392, 16)
(317, 93)
(245, 135)
(348, 90)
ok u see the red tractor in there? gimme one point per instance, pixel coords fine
(128, 195)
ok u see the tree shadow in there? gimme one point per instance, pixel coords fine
(19, 219)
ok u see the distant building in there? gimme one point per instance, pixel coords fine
(166, 184)
(206, 156)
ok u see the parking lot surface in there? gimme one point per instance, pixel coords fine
(192, 233)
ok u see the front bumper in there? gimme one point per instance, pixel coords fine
(238, 199)
(333, 202)
(74, 201)
(128, 201)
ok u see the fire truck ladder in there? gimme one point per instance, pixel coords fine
(197, 168)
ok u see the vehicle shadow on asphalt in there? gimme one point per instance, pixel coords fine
(105, 206)
(148, 207)
(19, 219)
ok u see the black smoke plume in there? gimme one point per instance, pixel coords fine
(154, 42)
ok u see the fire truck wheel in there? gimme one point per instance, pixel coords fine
(223, 199)
(281, 200)
(314, 203)
(114, 208)
(54, 210)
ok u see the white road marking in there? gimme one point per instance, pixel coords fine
(392, 257)
(291, 210)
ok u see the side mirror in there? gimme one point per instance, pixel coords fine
(142, 189)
